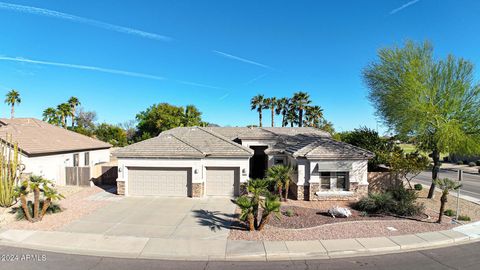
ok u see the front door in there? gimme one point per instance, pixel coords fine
(259, 162)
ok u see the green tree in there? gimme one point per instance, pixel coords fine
(13, 98)
(192, 116)
(258, 103)
(313, 116)
(112, 134)
(51, 116)
(445, 185)
(300, 101)
(161, 117)
(282, 175)
(271, 103)
(64, 111)
(246, 206)
(74, 102)
(435, 101)
(282, 108)
(270, 205)
(408, 166)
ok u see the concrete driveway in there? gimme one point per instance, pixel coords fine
(171, 218)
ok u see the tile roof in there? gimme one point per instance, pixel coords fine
(218, 142)
(35, 137)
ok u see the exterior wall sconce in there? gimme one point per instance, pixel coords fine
(195, 171)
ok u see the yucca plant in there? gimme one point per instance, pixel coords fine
(9, 171)
(445, 185)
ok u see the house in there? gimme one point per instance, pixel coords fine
(217, 161)
(47, 150)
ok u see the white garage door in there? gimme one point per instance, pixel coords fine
(158, 181)
(222, 181)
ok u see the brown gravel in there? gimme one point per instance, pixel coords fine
(74, 206)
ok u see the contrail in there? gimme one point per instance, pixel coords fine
(84, 67)
(200, 85)
(403, 7)
(74, 18)
(241, 59)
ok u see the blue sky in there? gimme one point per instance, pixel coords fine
(119, 57)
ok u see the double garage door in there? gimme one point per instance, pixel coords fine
(177, 182)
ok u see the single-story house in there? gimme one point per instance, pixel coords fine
(47, 150)
(217, 161)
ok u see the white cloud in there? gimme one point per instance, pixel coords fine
(404, 6)
(241, 59)
(84, 67)
(74, 18)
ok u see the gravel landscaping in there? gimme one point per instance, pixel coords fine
(75, 205)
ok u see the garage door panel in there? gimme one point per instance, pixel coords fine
(158, 181)
(222, 181)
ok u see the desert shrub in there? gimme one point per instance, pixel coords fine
(459, 162)
(471, 164)
(449, 213)
(396, 201)
(289, 213)
(477, 162)
(464, 218)
(418, 187)
(52, 209)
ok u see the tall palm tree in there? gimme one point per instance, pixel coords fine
(313, 116)
(13, 98)
(300, 101)
(282, 108)
(64, 110)
(271, 103)
(258, 103)
(50, 115)
(292, 115)
(73, 102)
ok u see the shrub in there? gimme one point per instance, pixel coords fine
(396, 201)
(471, 164)
(449, 213)
(459, 162)
(477, 162)
(52, 209)
(289, 213)
(418, 187)
(465, 162)
(464, 218)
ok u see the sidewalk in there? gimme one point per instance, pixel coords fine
(215, 250)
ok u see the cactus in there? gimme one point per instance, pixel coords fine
(9, 171)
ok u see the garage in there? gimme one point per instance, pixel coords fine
(174, 182)
(222, 181)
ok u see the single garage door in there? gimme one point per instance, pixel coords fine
(158, 181)
(222, 181)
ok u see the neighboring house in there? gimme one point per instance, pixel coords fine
(47, 150)
(217, 161)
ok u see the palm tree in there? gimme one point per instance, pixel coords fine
(445, 185)
(49, 195)
(292, 115)
(13, 98)
(301, 100)
(282, 108)
(313, 116)
(271, 103)
(282, 175)
(258, 103)
(35, 183)
(271, 205)
(246, 205)
(64, 111)
(192, 116)
(50, 115)
(73, 102)
(22, 192)
(257, 188)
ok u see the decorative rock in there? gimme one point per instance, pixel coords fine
(337, 211)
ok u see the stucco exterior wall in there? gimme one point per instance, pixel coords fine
(199, 167)
(52, 167)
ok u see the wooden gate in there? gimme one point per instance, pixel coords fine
(77, 176)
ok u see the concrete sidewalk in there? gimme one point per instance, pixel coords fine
(215, 250)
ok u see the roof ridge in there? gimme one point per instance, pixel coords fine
(226, 140)
(198, 150)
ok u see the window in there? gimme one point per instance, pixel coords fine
(279, 161)
(342, 180)
(325, 180)
(87, 159)
(76, 160)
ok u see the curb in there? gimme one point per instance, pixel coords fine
(230, 250)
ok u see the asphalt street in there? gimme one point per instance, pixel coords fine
(470, 183)
(455, 257)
